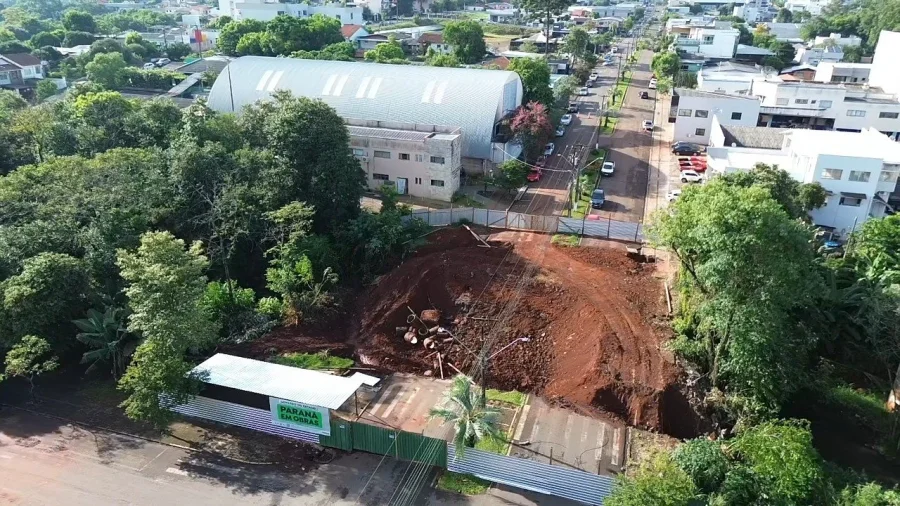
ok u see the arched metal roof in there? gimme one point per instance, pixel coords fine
(471, 99)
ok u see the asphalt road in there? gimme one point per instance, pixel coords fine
(46, 462)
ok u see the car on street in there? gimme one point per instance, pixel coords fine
(549, 149)
(541, 161)
(652, 85)
(589, 84)
(162, 62)
(672, 195)
(534, 175)
(573, 107)
(149, 66)
(608, 168)
(690, 176)
(598, 198)
(647, 125)
(560, 130)
(594, 76)
(644, 94)
(566, 120)
(686, 149)
(583, 91)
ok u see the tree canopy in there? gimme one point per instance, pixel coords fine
(281, 36)
(467, 39)
(535, 77)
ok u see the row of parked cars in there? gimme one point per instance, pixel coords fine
(691, 161)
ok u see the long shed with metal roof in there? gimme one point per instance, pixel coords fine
(473, 100)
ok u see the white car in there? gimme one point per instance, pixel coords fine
(594, 77)
(652, 85)
(149, 66)
(673, 194)
(690, 176)
(560, 131)
(647, 125)
(608, 168)
(162, 62)
(566, 120)
(549, 149)
(583, 91)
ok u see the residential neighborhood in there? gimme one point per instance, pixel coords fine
(450, 253)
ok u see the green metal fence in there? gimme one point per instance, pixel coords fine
(341, 435)
(350, 436)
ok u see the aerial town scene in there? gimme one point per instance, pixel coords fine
(450, 252)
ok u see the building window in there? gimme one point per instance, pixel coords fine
(685, 112)
(418, 180)
(380, 177)
(708, 39)
(850, 201)
(440, 160)
(403, 156)
(359, 152)
(812, 101)
(699, 113)
(859, 113)
(860, 176)
(888, 177)
(382, 154)
(801, 101)
(781, 101)
(420, 158)
(736, 115)
(437, 182)
(889, 115)
(832, 174)
(700, 131)
(825, 104)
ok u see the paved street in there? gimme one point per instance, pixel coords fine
(46, 462)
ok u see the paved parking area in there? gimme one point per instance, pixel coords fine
(560, 436)
(403, 402)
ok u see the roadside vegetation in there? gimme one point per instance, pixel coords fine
(315, 361)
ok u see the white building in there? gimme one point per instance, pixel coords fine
(814, 55)
(784, 32)
(715, 43)
(858, 170)
(692, 111)
(266, 11)
(836, 39)
(885, 70)
(854, 73)
(622, 10)
(20, 71)
(728, 77)
(813, 7)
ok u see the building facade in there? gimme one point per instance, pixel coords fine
(692, 111)
(20, 72)
(262, 10)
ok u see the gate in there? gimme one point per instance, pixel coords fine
(571, 226)
(372, 439)
(560, 481)
(419, 448)
(396, 443)
(341, 435)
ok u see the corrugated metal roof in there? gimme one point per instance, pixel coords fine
(282, 381)
(469, 99)
(388, 133)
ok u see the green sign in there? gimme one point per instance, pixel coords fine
(296, 415)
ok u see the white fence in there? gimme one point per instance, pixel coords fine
(560, 480)
(605, 228)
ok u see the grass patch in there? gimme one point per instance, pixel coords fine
(493, 445)
(609, 127)
(565, 240)
(465, 484)
(513, 397)
(315, 361)
(462, 200)
(864, 406)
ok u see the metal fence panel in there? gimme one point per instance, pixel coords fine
(439, 217)
(341, 435)
(559, 481)
(480, 216)
(497, 219)
(596, 228)
(517, 220)
(570, 226)
(241, 416)
(462, 213)
(421, 448)
(374, 439)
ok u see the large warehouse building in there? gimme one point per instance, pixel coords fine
(434, 108)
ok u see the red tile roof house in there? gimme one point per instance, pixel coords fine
(352, 33)
(20, 71)
(435, 41)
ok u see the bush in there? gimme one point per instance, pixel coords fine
(154, 79)
(704, 461)
(314, 361)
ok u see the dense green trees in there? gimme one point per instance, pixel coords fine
(535, 77)
(387, 52)
(281, 36)
(467, 39)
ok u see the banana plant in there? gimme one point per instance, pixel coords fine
(111, 341)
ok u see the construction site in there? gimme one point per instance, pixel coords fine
(583, 328)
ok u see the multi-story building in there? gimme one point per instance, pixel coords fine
(20, 72)
(813, 7)
(622, 10)
(814, 55)
(263, 10)
(852, 73)
(836, 39)
(692, 111)
(858, 170)
(710, 42)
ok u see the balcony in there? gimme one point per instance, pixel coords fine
(805, 112)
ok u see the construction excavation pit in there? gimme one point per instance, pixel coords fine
(582, 327)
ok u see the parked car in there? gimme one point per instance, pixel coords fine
(647, 125)
(608, 168)
(589, 84)
(541, 161)
(549, 149)
(149, 66)
(162, 62)
(690, 176)
(594, 76)
(573, 107)
(673, 194)
(644, 94)
(686, 148)
(560, 130)
(598, 198)
(652, 85)
(566, 120)
(583, 91)
(535, 175)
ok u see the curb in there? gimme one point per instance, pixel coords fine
(143, 438)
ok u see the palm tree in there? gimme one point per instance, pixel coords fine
(106, 333)
(472, 420)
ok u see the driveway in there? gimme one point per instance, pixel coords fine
(629, 148)
(46, 462)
